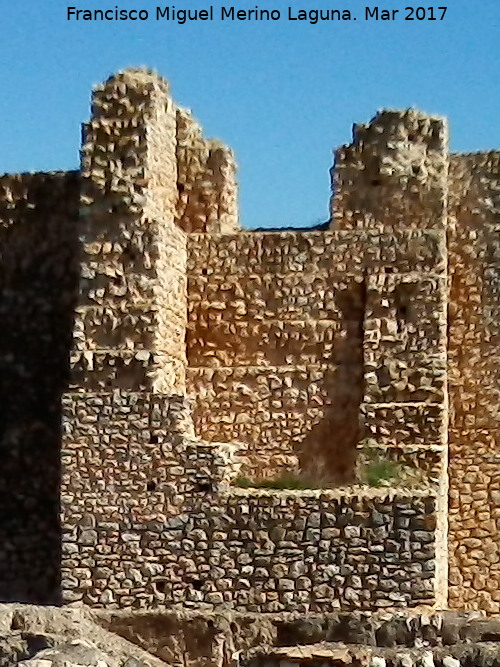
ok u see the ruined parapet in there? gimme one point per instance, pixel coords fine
(393, 174)
(474, 190)
(208, 196)
(132, 314)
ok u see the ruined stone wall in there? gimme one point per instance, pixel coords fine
(275, 342)
(206, 180)
(394, 175)
(132, 309)
(129, 351)
(396, 639)
(131, 467)
(291, 335)
(130, 459)
(474, 381)
(274, 331)
(38, 283)
(304, 348)
(260, 551)
(149, 518)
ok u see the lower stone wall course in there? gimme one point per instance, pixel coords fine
(257, 551)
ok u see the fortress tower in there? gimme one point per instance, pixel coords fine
(158, 363)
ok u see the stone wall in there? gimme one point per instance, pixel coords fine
(474, 381)
(39, 251)
(277, 346)
(130, 460)
(132, 310)
(393, 174)
(273, 330)
(301, 350)
(206, 180)
(149, 517)
(246, 550)
(131, 466)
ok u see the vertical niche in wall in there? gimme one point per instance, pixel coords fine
(403, 293)
(329, 451)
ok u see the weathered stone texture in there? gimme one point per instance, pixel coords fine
(259, 551)
(134, 253)
(128, 286)
(276, 332)
(393, 174)
(474, 382)
(206, 181)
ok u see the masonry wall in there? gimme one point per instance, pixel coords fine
(394, 175)
(131, 467)
(149, 518)
(206, 180)
(263, 552)
(130, 459)
(132, 310)
(474, 381)
(274, 347)
(295, 339)
(38, 283)
(303, 350)
(275, 342)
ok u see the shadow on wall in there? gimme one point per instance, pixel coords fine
(328, 452)
(39, 252)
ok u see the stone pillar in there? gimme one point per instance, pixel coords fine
(130, 323)
(393, 177)
(125, 426)
(208, 192)
(393, 174)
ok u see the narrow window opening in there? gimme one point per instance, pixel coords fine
(403, 306)
(203, 487)
(161, 586)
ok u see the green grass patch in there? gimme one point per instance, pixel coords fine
(381, 472)
(376, 469)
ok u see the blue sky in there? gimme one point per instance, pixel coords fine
(281, 94)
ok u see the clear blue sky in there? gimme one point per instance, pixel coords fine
(281, 94)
